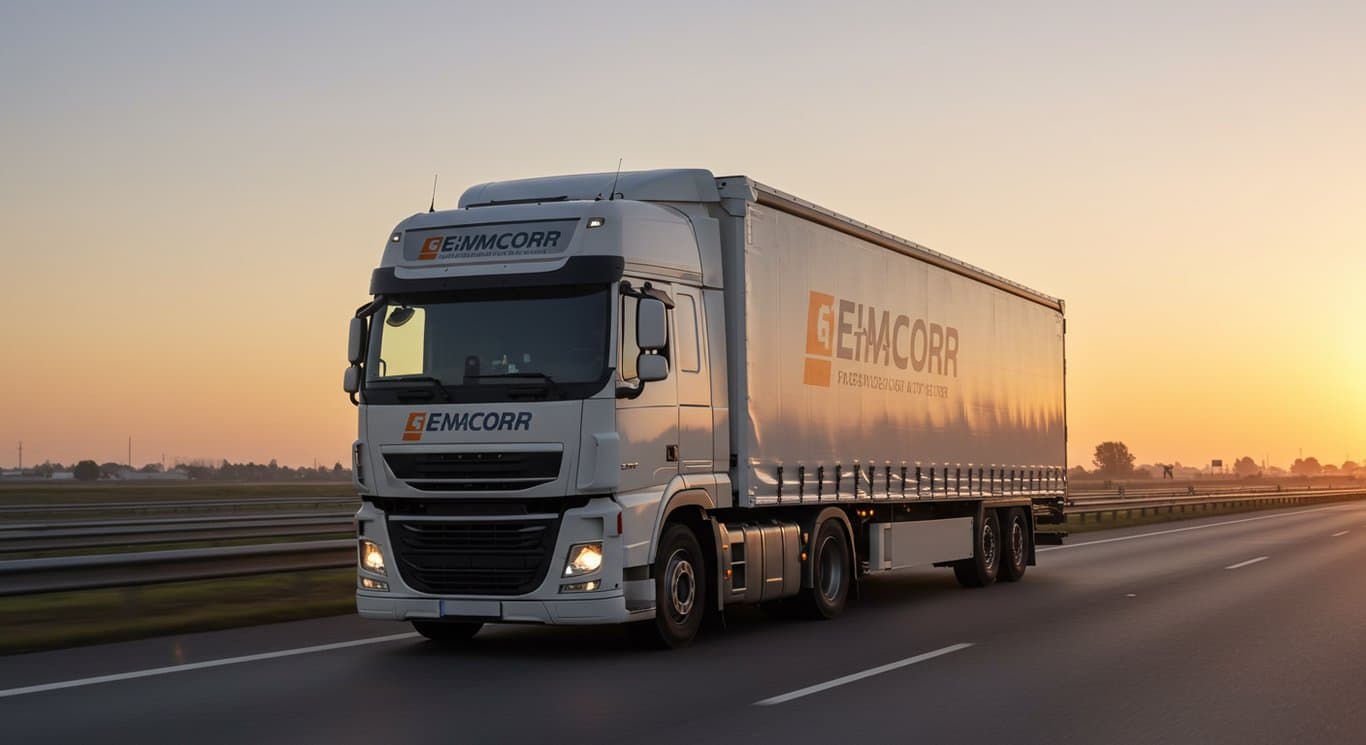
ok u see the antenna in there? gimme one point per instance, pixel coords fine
(432, 207)
(613, 194)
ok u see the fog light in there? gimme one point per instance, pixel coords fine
(371, 558)
(374, 584)
(588, 586)
(584, 558)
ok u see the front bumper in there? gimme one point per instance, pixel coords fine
(545, 604)
(587, 610)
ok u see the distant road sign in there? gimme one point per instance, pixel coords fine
(1216, 463)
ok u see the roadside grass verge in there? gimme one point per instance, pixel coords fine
(69, 619)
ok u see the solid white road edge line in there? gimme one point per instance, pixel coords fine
(1249, 562)
(1183, 530)
(1340, 533)
(202, 665)
(784, 698)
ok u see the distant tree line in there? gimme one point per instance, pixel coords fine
(1112, 460)
(89, 470)
(272, 471)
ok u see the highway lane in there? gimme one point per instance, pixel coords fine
(1140, 635)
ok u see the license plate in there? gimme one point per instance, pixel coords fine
(472, 608)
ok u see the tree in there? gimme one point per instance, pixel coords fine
(1350, 467)
(1306, 466)
(1113, 459)
(1246, 466)
(87, 470)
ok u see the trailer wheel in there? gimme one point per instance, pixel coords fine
(830, 573)
(680, 592)
(448, 632)
(981, 569)
(1015, 545)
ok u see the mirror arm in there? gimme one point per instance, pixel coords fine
(648, 291)
(367, 310)
(630, 393)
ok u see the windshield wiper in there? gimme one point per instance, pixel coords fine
(435, 383)
(524, 375)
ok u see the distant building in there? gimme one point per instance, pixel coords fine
(11, 474)
(63, 476)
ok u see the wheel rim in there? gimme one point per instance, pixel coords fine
(1017, 543)
(831, 569)
(988, 545)
(682, 584)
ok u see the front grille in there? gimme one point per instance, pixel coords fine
(483, 557)
(497, 471)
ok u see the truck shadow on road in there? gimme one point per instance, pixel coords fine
(879, 599)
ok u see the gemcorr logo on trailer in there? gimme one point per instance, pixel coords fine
(820, 317)
(841, 329)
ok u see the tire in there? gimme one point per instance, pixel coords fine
(448, 632)
(681, 589)
(830, 573)
(982, 568)
(1015, 540)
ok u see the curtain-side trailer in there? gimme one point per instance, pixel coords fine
(644, 397)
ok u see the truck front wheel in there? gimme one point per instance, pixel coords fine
(981, 569)
(680, 591)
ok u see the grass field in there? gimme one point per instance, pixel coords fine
(70, 619)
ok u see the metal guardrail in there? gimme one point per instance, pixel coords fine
(177, 505)
(60, 574)
(68, 535)
(1097, 507)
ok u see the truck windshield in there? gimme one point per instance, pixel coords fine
(490, 345)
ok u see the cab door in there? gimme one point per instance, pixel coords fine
(694, 385)
(648, 423)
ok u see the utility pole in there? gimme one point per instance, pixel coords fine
(21, 456)
(130, 452)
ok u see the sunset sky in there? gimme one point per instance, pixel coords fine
(192, 198)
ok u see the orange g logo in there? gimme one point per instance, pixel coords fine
(820, 317)
(430, 248)
(417, 421)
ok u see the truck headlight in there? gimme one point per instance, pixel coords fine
(371, 558)
(584, 558)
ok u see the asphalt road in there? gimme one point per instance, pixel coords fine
(1178, 633)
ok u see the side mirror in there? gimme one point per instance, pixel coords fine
(651, 367)
(355, 341)
(351, 380)
(652, 326)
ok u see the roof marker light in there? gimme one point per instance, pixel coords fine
(596, 222)
(394, 238)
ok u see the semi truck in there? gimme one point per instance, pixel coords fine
(642, 398)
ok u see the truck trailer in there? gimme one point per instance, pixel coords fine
(644, 397)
